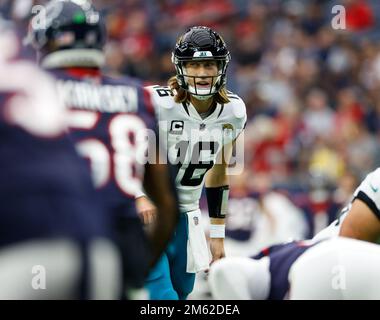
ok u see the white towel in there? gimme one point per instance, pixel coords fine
(198, 257)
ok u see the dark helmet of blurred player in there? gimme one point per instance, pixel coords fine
(201, 43)
(71, 34)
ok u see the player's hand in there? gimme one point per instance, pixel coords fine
(217, 249)
(146, 210)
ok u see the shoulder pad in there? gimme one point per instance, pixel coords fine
(373, 178)
(237, 106)
(162, 96)
(376, 174)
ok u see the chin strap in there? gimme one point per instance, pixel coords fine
(202, 98)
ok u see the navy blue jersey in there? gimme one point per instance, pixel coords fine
(282, 257)
(106, 119)
(45, 187)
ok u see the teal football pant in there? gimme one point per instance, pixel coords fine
(168, 280)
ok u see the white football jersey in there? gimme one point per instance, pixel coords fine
(194, 144)
(368, 192)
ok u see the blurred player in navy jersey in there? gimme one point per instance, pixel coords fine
(53, 230)
(330, 269)
(107, 118)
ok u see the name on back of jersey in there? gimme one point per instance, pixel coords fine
(101, 98)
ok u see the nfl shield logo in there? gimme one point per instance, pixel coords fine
(196, 220)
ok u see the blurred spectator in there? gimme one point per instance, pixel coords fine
(326, 160)
(318, 117)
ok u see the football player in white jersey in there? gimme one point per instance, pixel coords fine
(333, 267)
(199, 120)
(361, 218)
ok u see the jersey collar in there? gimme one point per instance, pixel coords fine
(193, 113)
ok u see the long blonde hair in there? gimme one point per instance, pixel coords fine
(181, 95)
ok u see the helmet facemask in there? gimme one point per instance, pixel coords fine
(185, 80)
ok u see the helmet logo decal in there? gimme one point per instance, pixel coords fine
(202, 54)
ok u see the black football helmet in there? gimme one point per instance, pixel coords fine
(68, 33)
(201, 43)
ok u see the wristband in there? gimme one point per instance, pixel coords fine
(140, 194)
(217, 200)
(217, 230)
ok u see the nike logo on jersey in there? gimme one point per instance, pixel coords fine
(374, 189)
(372, 183)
